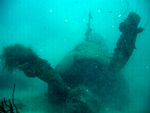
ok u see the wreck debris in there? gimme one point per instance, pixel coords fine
(87, 34)
(13, 99)
(6, 107)
(33, 66)
(19, 57)
(64, 90)
(126, 42)
(82, 100)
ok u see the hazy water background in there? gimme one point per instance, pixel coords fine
(54, 27)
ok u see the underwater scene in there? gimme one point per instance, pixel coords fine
(74, 56)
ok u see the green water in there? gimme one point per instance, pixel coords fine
(52, 28)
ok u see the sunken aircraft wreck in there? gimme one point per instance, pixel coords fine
(88, 77)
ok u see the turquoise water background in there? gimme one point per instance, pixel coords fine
(54, 27)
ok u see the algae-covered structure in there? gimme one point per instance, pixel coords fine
(88, 78)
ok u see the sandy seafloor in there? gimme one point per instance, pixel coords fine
(30, 93)
(31, 101)
(30, 96)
